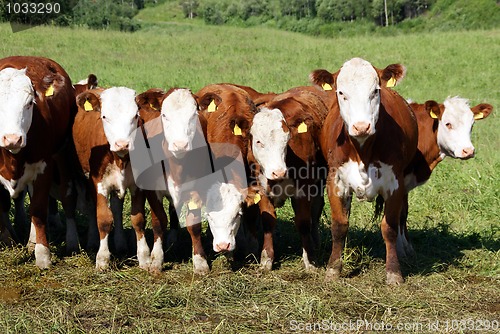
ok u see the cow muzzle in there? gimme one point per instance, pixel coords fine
(361, 129)
(121, 147)
(13, 142)
(467, 153)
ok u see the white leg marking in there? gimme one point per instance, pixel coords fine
(32, 239)
(308, 265)
(265, 261)
(143, 254)
(200, 265)
(157, 256)
(42, 256)
(103, 255)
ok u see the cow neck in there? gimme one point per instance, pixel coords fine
(11, 165)
(431, 150)
(121, 162)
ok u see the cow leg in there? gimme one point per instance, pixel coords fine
(159, 221)
(68, 201)
(193, 225)
(268, 215)
(54, 219)
(119, 238)
(339, 210)
(38, 211)
(302, 209)
(404, 246)
(317, 205)
(7, 234)
(138, 201)
(104, 224)
(90, 209)
(389, 226)
(20, 220)
(173, 232)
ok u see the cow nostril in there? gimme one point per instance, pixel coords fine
(279, 174)
(223, 246)
(468, 152)
(12, 140)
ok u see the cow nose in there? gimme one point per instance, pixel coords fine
(361, 128)
(12, 141)
(278, 174)
(122, 145)
(468, 152)
(181, 145)
(222, 247)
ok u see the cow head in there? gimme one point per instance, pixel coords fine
(179, 117)
(119, 115)
(270, 136)
(223, 210)
(149, 103)
(17, 98)
(456, 118)
(357, 85)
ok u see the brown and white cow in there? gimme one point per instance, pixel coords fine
(102, 133)
(285, 144)
(368, 139)
(37, 108)
(444, 130)
(174, 159)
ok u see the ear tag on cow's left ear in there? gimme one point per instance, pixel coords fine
(50, 91)
(433, 115)
(237, 130)
(152, 106)
(391, 83)
(479, 115)
(256, 199)
(87, 106)
(212, 107)
(302, 127)
(326, 86)
(192, 205)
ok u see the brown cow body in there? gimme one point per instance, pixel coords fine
(33, 164)
(375, 167)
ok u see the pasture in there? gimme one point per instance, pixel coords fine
(453, 219)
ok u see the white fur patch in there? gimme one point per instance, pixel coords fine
(103, 255)
(353, 177)
(455, 127)
(16, 109)
(157, 255)
(143, 254)
(113, 179)
(200, 265)
(269, 142)
(119, 113)
(31, 171)
(358, 96)
(42, 256)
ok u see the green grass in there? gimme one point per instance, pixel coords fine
(453, 219)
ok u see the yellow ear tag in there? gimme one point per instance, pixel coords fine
(192, 205)
(479, 115)
(152, 106)
(50, 91)
(256, 199)
(237, 130)
(212, 107)
(391, 83)
(302, 128)
(326, 86)
(433, 115)
(87, 106)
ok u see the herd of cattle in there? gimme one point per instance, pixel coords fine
(235, 152)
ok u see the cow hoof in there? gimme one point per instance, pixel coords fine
(266, 263)
(394, 278)
(155, 268)
(312, 269)
(42, 256)
(200, 265)
(332, 274)
(31, 246)
(102, 260)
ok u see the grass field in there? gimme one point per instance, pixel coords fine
(453, 219)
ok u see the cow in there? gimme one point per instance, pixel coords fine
(368, 140)
(285, 145)
(229, 111)
(443, 131)
(173, 160)
(88, 83)
(37, 108)
(102, 133)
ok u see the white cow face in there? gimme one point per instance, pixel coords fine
(270, 137)
(455, 126)
(17, 98)
(119, 114)
(179, 116)
(358, 92)
(223, 211)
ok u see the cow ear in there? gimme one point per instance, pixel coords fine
(392, 75)
(50, 85)
(150, 100)
(482, 110)
(92, 81)
(209, 102)
(253, 195)
(433, 108)
(323, 78)
(239, 126)
(89, 101)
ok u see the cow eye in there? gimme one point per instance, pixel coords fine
(103, 117)
(259, 143)
(449, 126)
